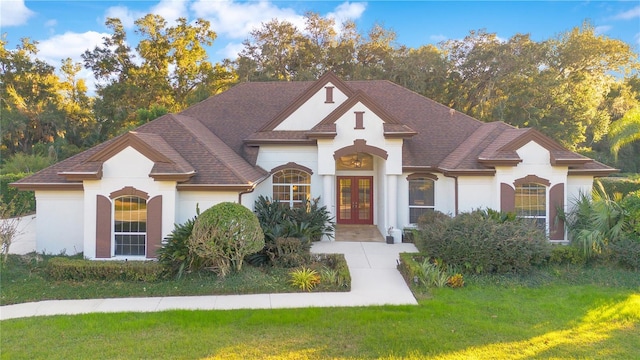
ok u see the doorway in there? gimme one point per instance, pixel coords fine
(355, 200)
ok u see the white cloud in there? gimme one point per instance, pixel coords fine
(51, 23)
(637, 37)
(170, 10)
(14, 13)
(599, 30)
(347, 11)
(68, 45)
(71, 45)
(126, 15)
(236, 20)
(629, 14)
(438, 38)
(231, 50)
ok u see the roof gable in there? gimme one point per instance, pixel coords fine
(328, 78)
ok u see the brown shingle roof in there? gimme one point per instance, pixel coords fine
(216, 140)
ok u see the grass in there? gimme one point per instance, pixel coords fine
(488, 322)
(23, 279)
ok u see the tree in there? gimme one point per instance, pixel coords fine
(625, 131)
(173, 71)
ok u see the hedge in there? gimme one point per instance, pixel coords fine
(25, 201)
(61, 268)
(620, 185)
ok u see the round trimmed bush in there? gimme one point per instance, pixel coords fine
(224, 234)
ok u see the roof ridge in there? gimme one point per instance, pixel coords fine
(213, 150)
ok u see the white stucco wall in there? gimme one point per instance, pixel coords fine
(477, 192)
(576, 185)
(24, 240)
(188, 200)
(313, 111)
(59, 228)
(127, 168)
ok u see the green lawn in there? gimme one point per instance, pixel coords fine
(494, 320)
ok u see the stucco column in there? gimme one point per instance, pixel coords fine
(392, 201)
(327, 194)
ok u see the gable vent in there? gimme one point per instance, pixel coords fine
(329, 94)
(359, 119)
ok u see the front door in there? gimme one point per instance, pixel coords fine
(355, 200)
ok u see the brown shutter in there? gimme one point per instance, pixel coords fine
(103, 227)
(154, 226)
(507, 198)
(556, 202)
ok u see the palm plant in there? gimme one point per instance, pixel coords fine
(595, 221)
(625, 130)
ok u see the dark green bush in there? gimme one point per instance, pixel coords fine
(24, 201)
(625, 253)
(224, 234)
(623, 186)
(567, 255)
(409, 267)
(289, 252)
(174, 255)
(481, 244)
(338, 263)
(309, 222)
(61, 268)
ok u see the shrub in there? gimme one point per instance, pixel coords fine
(24, 202)
(624, 186)
(61, 268)
(626, 253)
(174, 255)
(409, 267)
(566, 255)
(305, 279)
(456, 281)
(306, 223)
(289, 252)
(224, 234)
(481, 244)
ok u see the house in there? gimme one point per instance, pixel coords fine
(372, 151)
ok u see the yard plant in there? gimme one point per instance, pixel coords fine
(564, 313)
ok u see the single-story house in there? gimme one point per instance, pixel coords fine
(372, 151)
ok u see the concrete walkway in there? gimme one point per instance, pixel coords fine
(374, 281)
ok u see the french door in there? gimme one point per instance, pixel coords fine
(355, 200)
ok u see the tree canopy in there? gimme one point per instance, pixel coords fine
(580, 88)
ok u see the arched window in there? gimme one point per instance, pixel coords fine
(130, 226)
(291, 187)
(531, 202)
(421, 197)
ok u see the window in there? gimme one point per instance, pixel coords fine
(531, 202)
(130, 226)
(291, 187)
(421, 197)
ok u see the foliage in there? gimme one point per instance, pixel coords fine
(171, 73)
(456, 281)
(23, 278)
(288, 252)
(283, 226)
(567, 255)
(62, 268)
(594, 221)
(625, 252)
(23, 163)
(304, 278)
(625, 130)
(224, 234)
(622, 185)
(479, 244)
(174, 255)
(24, 202)
(8, 228)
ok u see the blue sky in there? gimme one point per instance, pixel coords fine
(68, 28)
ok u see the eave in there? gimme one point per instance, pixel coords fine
(47, 186)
